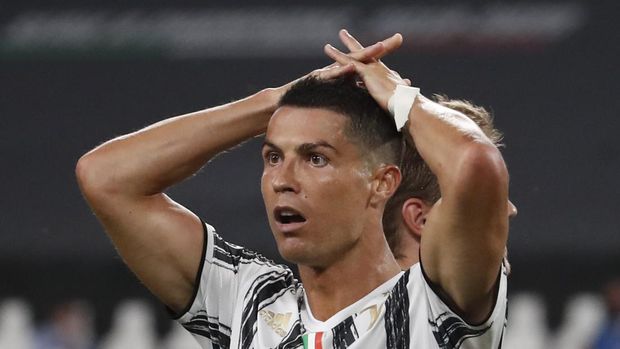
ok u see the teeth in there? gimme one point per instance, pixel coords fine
(287, 216)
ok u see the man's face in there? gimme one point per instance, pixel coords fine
(315, 184)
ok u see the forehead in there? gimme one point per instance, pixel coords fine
(294, 125)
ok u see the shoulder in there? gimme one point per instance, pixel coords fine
(227, 255)
(431, 312)
(233, 285)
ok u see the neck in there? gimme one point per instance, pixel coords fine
(364, 268)
(407, 253)
(407, 257)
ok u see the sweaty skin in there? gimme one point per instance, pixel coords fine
(124, 181)
(312, 168)
(465, 233)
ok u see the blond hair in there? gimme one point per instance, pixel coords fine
(417, 179)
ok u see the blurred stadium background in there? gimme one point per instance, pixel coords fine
(76, 73)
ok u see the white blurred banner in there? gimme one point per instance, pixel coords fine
(292, 32)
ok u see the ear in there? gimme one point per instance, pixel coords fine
(414, 213)
(385, 182)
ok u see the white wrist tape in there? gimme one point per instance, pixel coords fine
(401, 102)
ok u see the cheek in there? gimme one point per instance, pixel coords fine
(345, 191)
(265, 180)
(265, 183)
(262, 183)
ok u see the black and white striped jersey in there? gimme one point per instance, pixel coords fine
(243, 300)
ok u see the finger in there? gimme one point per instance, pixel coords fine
(333, 72)
(395, 73)
(336, 55)
(391, 44)
(369, 53)
(349, 41)
(339, 71)
(342, 58)
(335, 64)
(407, 82)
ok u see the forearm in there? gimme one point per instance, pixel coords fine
(465, 233)
(447, 139)
(148, 161)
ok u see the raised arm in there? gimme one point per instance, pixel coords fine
(123, 181)
(464, 236)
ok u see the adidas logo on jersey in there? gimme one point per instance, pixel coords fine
(277, 321)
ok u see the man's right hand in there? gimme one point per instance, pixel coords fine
(377, 77)
(124, 180)
(357, 52)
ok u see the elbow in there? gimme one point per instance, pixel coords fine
(484, 162)
(93, 179)
(86, 175)
(482, 174)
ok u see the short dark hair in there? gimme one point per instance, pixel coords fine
(370, 127)
(417, 179)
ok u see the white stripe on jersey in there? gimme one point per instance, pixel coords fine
(244, 300)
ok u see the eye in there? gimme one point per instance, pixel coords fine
(318, 160)
(272, 158)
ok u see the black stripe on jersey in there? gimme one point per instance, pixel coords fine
(446, 299)
(263, 288)
(293, 338)
(397, 315)
(450, 331)
(233, 255)
(274, 297)
(501, 338)
(209, 327)
(344, 334)
(224, 266)
(175, 315)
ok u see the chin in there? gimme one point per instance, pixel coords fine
(294, 253)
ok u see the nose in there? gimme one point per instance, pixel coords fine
(512, 210)
(284, 178)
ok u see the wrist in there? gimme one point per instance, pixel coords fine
(401, 102)
(268, 99)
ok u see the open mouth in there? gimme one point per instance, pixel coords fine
(287, 215)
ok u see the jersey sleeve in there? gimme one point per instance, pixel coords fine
(222, 289)
(451, 331)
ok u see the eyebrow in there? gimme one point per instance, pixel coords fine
(303, 148)
(266, 143)
(306, 148)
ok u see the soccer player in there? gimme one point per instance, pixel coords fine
(406, 211)
(330, 164)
